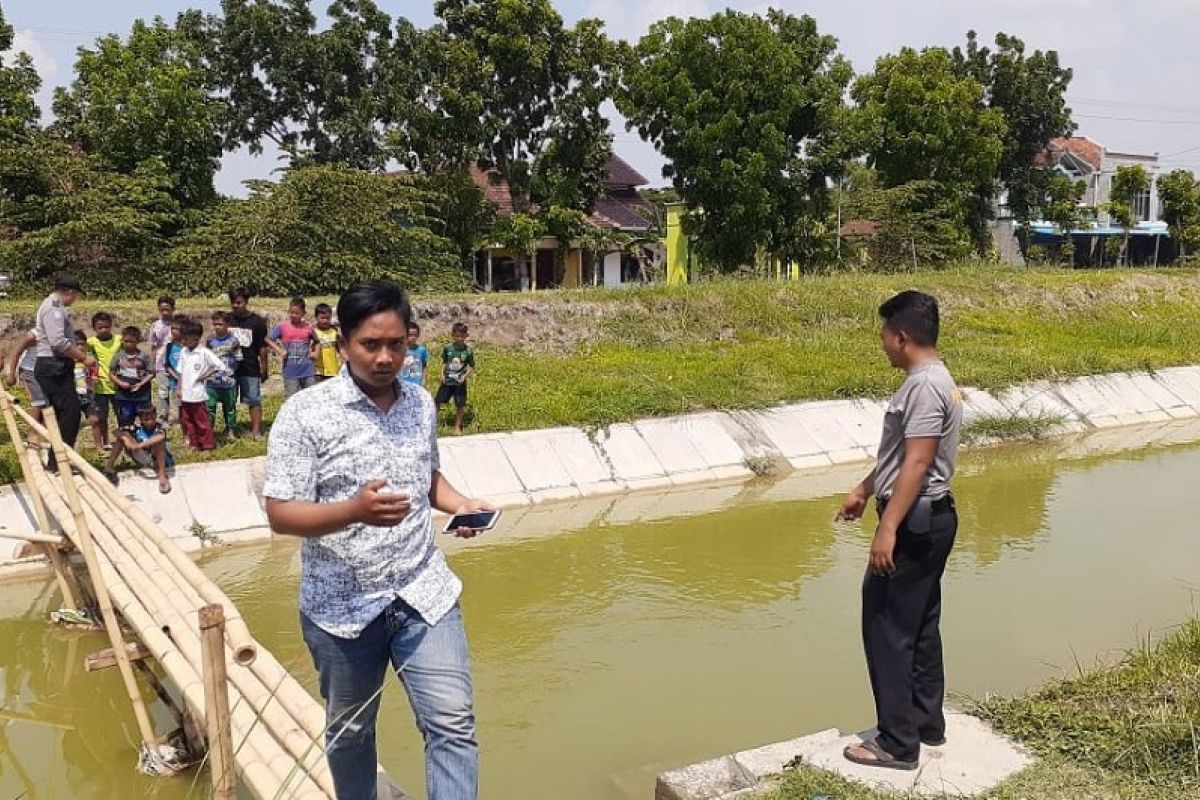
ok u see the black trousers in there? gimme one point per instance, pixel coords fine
(56, 376)
(903, 639)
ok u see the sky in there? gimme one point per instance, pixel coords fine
(1136, 63)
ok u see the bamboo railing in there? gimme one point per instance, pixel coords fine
(275, 728)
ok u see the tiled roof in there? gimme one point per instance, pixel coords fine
(864, 228)
(1081, 147)
(618, 172)
(619, 211)
(495, 190)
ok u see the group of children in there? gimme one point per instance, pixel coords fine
(195, 377)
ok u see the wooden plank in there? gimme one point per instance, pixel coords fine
(106, 658)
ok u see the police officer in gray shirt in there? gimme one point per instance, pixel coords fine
(902, 597)
(57, 352)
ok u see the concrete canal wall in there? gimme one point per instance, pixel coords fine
(530, 468)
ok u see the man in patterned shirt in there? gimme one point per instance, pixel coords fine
(352, 467)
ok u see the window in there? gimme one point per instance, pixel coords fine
(1141, 206)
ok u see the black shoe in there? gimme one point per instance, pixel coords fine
(934, 742)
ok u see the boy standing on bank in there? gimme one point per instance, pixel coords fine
(222, 389)
(131, 373)
(197, 365)
(104, 346)
(901, 594)
(293, 340)
(251, 332)
(458, 364)
(325, 348)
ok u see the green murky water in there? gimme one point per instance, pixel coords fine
(656, 630)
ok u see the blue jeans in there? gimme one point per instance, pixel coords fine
(435, 670)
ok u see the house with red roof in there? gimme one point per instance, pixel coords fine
(620, 209)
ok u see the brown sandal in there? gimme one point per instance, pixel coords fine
(882, 758)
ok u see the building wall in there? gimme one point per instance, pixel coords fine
(612, 269)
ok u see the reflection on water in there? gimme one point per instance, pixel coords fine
(665, 628)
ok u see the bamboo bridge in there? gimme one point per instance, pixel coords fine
(239, 710)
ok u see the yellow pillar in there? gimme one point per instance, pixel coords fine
(573, 272)
(677, 246)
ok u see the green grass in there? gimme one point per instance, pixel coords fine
(1009, 428)
(1126, 731)
(594, 357)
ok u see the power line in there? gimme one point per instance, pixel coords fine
(1141, 119)
(1127, 104)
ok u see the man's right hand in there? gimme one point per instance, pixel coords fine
(376, 507)
(853, 506)
(90, 362)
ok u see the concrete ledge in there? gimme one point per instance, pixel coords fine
(568, 464)
(975, 759)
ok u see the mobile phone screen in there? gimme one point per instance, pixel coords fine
(480, 521)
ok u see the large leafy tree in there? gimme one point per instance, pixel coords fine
(19, 82)
(315, 93)
(529, 91)
(1128, 182)
(745, 109)
(1029, 89)
(71, 211)
(1060, 204)
(1180, 196)
(145, 98)
(318, 230)
(920, 120)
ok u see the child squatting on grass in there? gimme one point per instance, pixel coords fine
(145, 440)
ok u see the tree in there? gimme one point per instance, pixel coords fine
(1060, 205)
(316, 94)
(1127, 184)
(73, 213)
(745, 109)
(599, 241)
(531, 91)
(145, 98)
(520, 234)
(464, 215)
(19, 82)
(1180, 196)
(1030, 91)
(921, 121)
(914, 223)
(318, 230)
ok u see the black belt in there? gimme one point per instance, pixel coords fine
(939, 506)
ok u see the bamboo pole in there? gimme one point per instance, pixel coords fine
(84, 540)
(216, 700)
(70, 596)
(260, 760)
(236, 633)
(37, 538)
(287, 711)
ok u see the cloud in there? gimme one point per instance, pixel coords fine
(630, 19)
(25, 42)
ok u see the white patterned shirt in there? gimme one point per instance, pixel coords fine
(326, 444)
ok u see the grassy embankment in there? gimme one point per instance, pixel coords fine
(595, 357)
(1122, 732)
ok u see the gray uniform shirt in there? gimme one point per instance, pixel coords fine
(55, 333)
(927, 405)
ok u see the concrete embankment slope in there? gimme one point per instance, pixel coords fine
(534, 467)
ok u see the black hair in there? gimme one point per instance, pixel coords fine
(166, 299)
(240, 293)
(80, 336)
(323, 308)
(363, 300)
(458, 327)
(220, 315)
(915, 314)
(131, 330)
(180, 319)
(144, 410)
(297, 302)
(191, 328)
(101, 316)
(413, 326)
